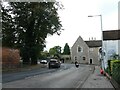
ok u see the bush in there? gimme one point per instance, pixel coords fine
(111, 64)
(108, 71)
(109, 67)
(115, 70)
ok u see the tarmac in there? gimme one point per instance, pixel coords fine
(97, 80)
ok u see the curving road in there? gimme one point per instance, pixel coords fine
(68, 76)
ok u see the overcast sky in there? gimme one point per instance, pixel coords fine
(76, 22)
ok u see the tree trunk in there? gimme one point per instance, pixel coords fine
(33, 62)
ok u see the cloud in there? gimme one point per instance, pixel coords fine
(76, 22)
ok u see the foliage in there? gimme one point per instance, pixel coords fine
(27, 24)
(116, 70)
(55, 51)
(52, 51)
(8, 28)
(66, 49)
(113, 69)
(115, 56)
(109, 67)
(44, 55)
(111, 64)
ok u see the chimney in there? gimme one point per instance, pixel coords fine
(92, 38)
(95, 38)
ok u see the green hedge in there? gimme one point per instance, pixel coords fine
(115, 70)
(109, 68)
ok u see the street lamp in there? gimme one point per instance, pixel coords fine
(100, 20)
(101, 34)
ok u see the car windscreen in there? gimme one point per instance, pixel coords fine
(53, 61)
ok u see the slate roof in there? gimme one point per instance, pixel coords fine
(94, 43)
(111, 35)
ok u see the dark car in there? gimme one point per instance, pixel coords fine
(54, 63)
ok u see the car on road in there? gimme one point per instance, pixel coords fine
(54, 63)
(43, 62)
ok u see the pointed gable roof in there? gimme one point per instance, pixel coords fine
(90, 44)
(78, 39)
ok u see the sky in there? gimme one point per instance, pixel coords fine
(76, 22)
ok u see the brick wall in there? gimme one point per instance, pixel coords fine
(10, 58)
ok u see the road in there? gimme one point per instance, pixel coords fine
(68, 76)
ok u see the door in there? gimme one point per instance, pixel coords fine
(90, 61)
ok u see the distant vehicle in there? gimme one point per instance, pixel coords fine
(54, 63)
(77, 65)
(43, 62)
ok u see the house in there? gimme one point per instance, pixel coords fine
(111, 45)
(94, 48)
(86, 52)
(66, 58)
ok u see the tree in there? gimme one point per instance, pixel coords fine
(52, 51)
(55, 51)
(8, 30)
(58, 49)
(44, 55)
(32, 22)
(66, 50)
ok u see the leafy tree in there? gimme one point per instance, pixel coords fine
(66, 50)
(44, 55)
(58, 49)
(55, 51)
(27, 24)
(52, 51)
(8, 30)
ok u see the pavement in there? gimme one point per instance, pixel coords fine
(97, 80)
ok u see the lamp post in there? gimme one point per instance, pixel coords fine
(100, 20)
(101, 36)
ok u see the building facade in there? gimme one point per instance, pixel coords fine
(94, 54)
(111, 45)
(86, 52)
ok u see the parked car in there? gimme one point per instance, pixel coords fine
(43, 62)
(54, 63)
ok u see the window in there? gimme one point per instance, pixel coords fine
(79, 49)
(75, 58)
(84, 58)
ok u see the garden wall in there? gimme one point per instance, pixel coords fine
(10, 58)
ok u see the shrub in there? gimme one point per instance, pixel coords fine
(115, 70)
(109, 67)
(111, 64)
(108, 71)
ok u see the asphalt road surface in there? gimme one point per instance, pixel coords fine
(68, 76)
